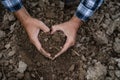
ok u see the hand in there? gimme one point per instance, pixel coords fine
(70, 30)
(32, 26)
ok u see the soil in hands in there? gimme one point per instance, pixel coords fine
(52, 43)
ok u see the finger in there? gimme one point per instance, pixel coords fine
(40, 49)
(54, 29)
(46, 54)
(65, 47)
(43, 27)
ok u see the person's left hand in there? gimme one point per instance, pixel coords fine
(33, 27)
(70, 30)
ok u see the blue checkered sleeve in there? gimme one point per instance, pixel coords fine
(12, 5)
(86, 8)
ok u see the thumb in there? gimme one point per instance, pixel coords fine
(37, 44)
(40, 49)
(65, 47)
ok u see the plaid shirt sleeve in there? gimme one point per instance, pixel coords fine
(86, 8)
(12, 5)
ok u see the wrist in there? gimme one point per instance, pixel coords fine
(77, 21)
(22, 15)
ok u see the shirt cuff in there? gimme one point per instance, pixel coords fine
(83, 12)
(12, 5)
(87, 8)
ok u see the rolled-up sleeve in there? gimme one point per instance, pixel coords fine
(86, 8)
(12, 5)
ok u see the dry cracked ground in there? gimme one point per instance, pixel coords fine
(98, 44)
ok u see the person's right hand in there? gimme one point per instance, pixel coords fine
(70, 29)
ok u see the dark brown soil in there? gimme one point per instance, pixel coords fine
(52, 43)
(94, 43)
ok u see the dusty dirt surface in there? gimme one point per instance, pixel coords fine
(97, 43)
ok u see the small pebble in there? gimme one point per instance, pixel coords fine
(11, 61)
(1, 55)
(0, 75)
(41, 78)
(2, 34)
(10, 67)
(116, 45)
(27, 76)
(7, 46)
(66, 78)
(33, 75)
(62, 4)
(111, 73)
(38, 63)
(22, 67)
(83, 58)
(6, 63)
(30, 68)
(119, 65)
(111, 67)
(53, 77)
(20, 75)
(94, 61)
(108, 78)
(12, 78)
(101, 37)
(46, 39)
(117, 73)
(11, 53)
(72, 68)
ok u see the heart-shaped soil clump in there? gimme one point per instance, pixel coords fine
(52, 43)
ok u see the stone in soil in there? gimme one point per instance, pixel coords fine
(111, 73)
(12, 78)
(6, 63)
(2, 34)
(27, 76)
(101, 37)
(119, 65)
(38, 63)
(22, 67)
(117, 59)
(117, 73)
(0, 75)
(11, 53)
(53, 43)
(116, 45)
(62, 4)
(7, 46)
(111, 28)
(41, 78)
(111, 67)
(108, 78)
(72, 67)
(1, 55)
(20, 75)
(98, 72)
